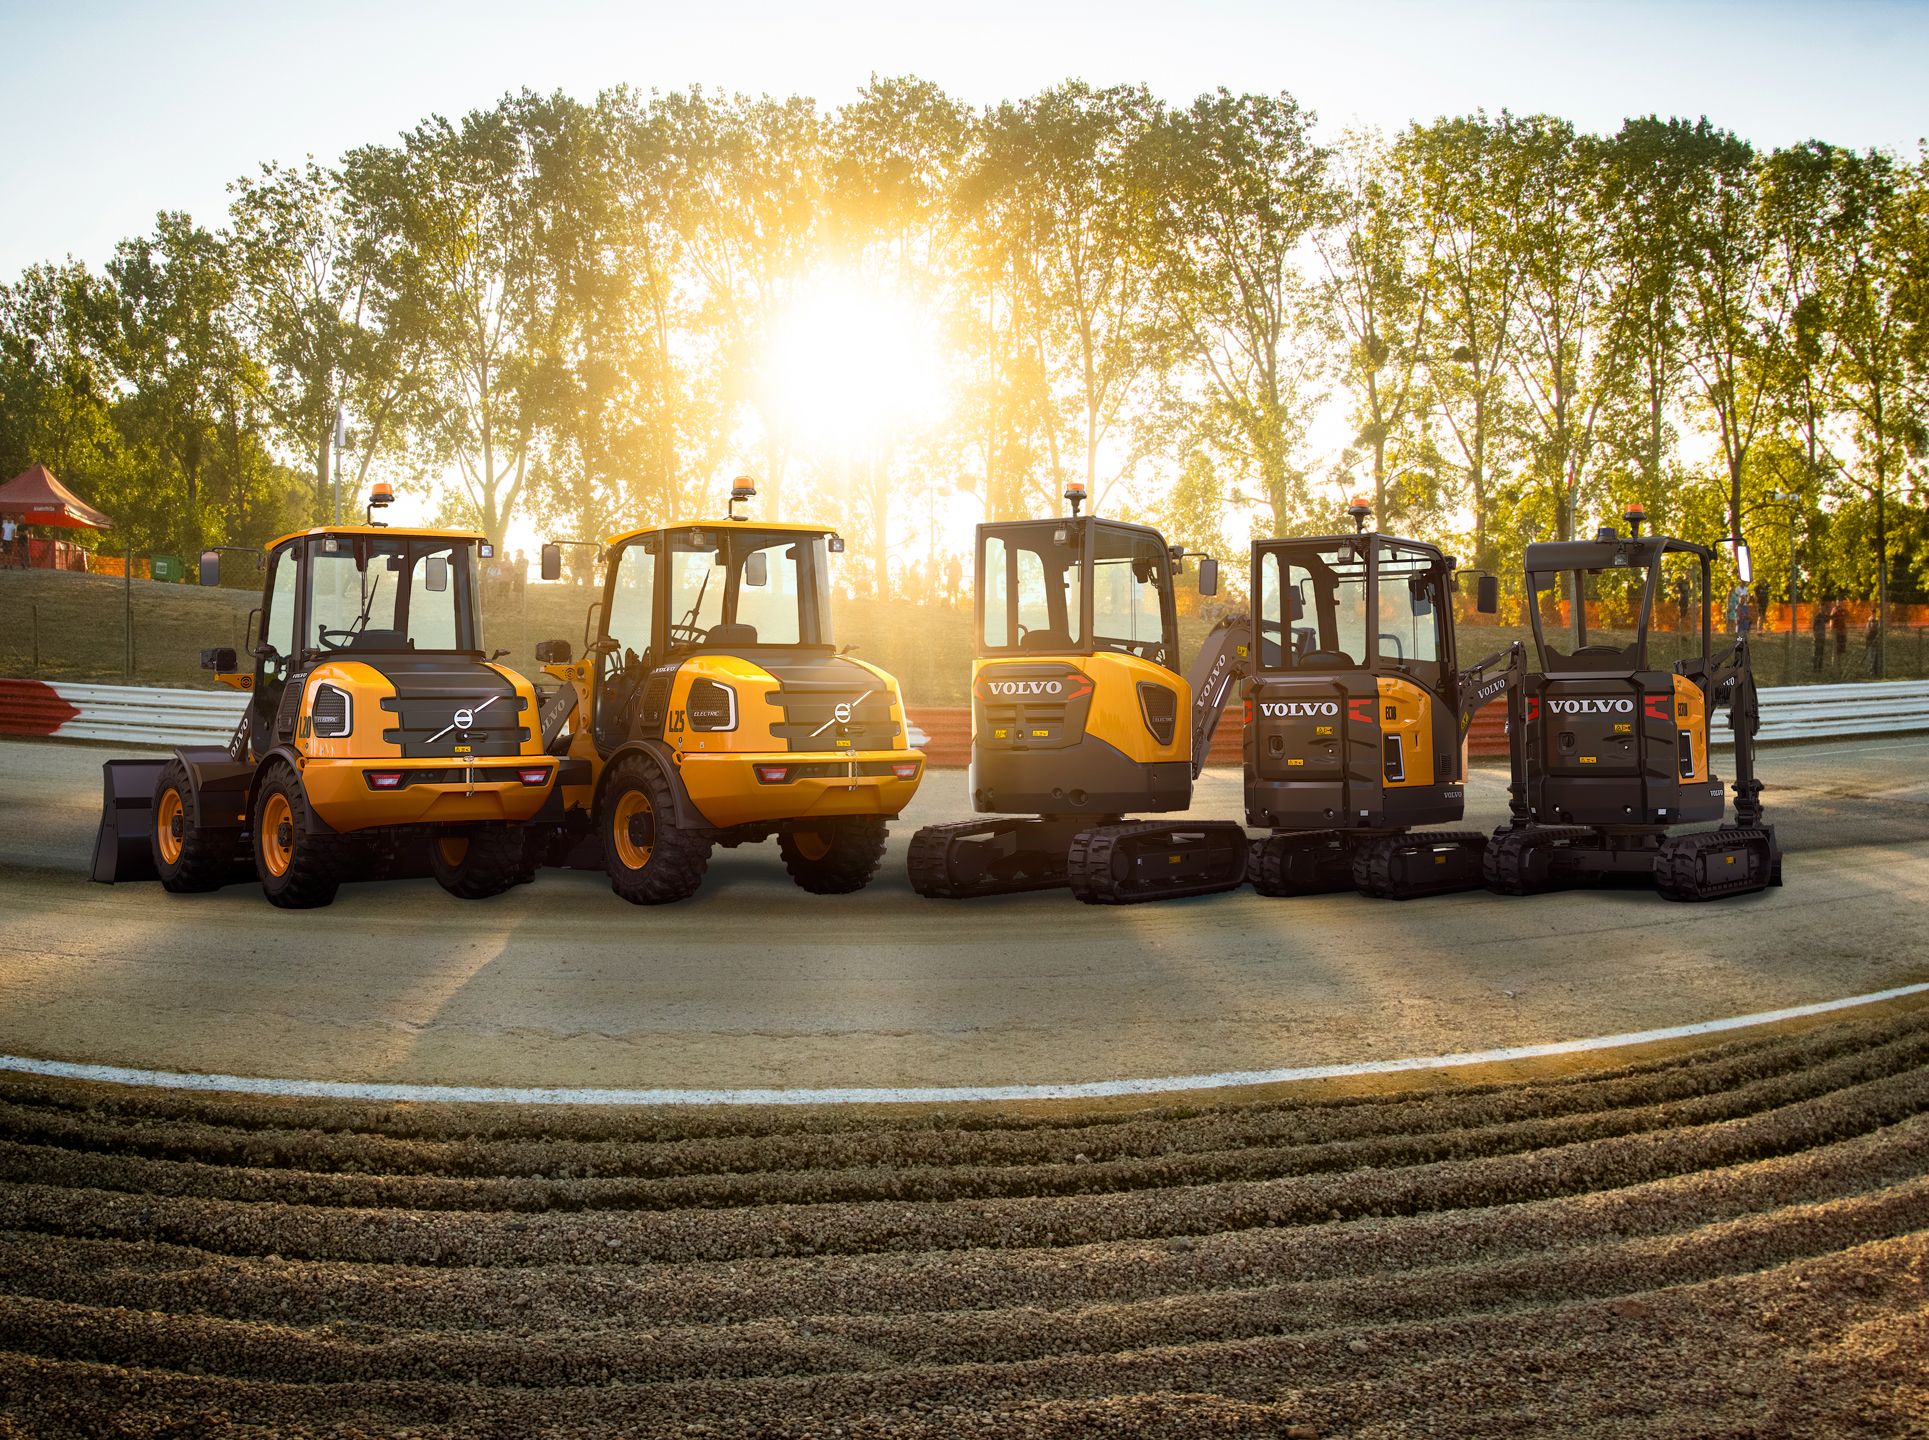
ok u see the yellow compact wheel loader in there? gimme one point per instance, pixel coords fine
(1080, 716)
(712, 708)
(377, 739)
(1356, 717)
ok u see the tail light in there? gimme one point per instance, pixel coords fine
(772, 774)
(905, 770)
(534, 777)
(384, 779)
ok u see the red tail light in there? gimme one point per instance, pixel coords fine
(772, 774)
(533, 777)
(384, 779)
(907, 770)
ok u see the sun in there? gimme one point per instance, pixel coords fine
(854, 365)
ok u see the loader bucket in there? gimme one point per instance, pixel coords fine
(124, 850)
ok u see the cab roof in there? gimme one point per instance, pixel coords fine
(744, 524)
(405, 532)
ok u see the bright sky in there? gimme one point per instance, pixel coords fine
(114, 111)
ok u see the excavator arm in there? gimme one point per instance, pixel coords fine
(1482, 683)
(1223, 661)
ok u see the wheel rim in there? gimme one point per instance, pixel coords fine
(454, 849)
(277, 834)
(811, 844)
(169, 826)
(633, 829)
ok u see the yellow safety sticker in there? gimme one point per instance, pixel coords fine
(1041, 734)
(1001, 734)
(1295, 762)
(1587, 759)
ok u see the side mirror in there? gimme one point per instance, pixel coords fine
(553, 652)
(210, 567)
(435, 573)
(1295, 604)
(756, 570)
(1744, 565)
(1541, 579)
(552, 562)
(1208, 575)
(1487, 595)
(220, 659)
(836, 545)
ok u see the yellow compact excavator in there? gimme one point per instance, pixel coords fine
(1081, 716)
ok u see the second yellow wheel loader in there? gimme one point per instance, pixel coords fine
(1080, 717)
(712, 708)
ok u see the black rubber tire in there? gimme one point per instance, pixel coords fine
(677, 858)
(206, 858)
(1515, 864)
(491, 862)
(315, 862)
(855, 850)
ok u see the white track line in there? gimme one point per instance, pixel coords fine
(926, 1095)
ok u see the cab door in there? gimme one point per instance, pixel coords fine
(628, 649)
(275, 651)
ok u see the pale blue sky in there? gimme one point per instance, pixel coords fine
(113, 111)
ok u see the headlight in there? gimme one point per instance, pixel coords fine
(331, 714)
(711, 706)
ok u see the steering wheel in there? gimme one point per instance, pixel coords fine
(323, 632)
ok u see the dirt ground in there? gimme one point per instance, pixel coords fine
(1729, 1240)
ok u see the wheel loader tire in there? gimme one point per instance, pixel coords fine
(833, 856)
(189, 858)
(300, 863)
(475, 864)
(650, 859)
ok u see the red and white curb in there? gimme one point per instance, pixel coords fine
(915, 1094)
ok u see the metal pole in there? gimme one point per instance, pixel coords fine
(335, 452)
(33, 614)
(127, 622)
(1789, 678)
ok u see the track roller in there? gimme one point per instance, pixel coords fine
(990, 857)
(1420, 862)
(1708, 864)
(1153, 860)
(1314, 862)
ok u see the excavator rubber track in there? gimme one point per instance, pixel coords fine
(1311, 862)
(1141, 860)
(1521, 861)
(1708, 864)
(1420, 862)
(970, 858)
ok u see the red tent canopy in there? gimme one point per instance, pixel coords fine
(34, 497)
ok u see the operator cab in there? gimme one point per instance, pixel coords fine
(1371, 603)
(1077, 586)
(360, 593)
(1621, 606)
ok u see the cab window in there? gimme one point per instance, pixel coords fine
(1313, 609)
(1130, 595)
(1032, 598)
(278, 625)
(632, 597)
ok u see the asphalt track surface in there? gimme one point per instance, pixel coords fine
(757, 984)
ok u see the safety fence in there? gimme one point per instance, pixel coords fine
(138, 715)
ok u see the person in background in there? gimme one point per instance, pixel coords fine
(1872, 640)
(1745, 614)
(1839, 622)
(8, 530)
(953, 578)
(1818, 624)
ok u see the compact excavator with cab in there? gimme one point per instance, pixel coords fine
(1610, 741)
(375, 730)
(1080, 716)
(712, 708)
(1356, 717)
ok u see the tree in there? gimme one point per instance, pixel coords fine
(1242, 190)
(1469, 186)
(1381, 272)
(1573, 339)
(460, 267)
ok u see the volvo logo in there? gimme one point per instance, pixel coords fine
(464, 718)
(1280, 708)
(1590, 707)
(1024, 687)
(843, 712)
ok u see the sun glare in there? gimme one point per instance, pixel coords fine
(854, 365)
